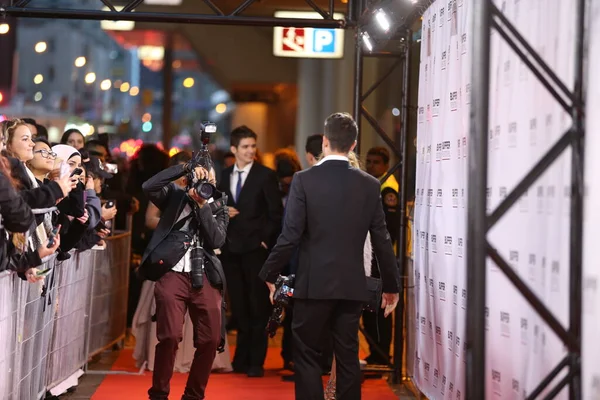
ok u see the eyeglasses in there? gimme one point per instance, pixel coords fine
(47, 154)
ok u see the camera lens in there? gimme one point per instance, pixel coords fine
(205, 190)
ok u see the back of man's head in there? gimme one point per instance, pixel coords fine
(341, 131)
(239, 133)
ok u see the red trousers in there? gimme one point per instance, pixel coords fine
(174, 295)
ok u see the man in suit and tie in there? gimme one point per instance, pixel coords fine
(255, 211)
(330, 209)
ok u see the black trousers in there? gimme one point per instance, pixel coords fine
(250, 306)
(312, 320)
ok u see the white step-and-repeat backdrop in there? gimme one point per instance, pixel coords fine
(591, 225)
(525, 121)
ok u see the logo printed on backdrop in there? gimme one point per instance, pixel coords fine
(448, 245)
(550, 198)
(450, 9)
(458, 391)
(442, 12)
(540, 199)
(487, 318)
(426, 241)
(533, 132)
(439, 198)
(429, 197)
(435, 109)
(432, 23)
(453, 101)
(463, 197)
(507, 73)
(431, 293)
(455, 199)
(444, 59)
(532, 268)
(428, 154)
(427, 367)
(438, 335)
(443, 385)
(450, 389)
(458, 149)
(460, 248)
(496, 138)
(513, 258)
(422, 325)
(434, 243)
(436, 377)
(505, 324)
(455, 295)
(464, 299)
(468, 93)
(450, 340)
(524, 324)
(430, 325)
(421, 115)
(590, 290)
(524, 202)
(457, 346)
(442, 292)
(463, 44)
(503, 192)
(536, 342)
(515, 386)
(555, 277)
(512, 135)
(488, 197)
(496, 382)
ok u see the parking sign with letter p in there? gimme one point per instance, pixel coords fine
(324, 40)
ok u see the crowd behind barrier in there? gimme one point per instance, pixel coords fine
(49, 333)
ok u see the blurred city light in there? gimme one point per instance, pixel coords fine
(188, 82)
(383, 20)
(221, 108)
(4, 28)
(39, 78)
(147, 126)
(173, 151)
(134, 91)
(1, 97)
(125, 87)
(147, 117)
(105, 84)
(38, 96)
(80, 62)
(176, 64)
(395, 112)
(40, 47)
(90, 77)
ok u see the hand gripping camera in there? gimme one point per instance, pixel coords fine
(205, 189)
(282, 299)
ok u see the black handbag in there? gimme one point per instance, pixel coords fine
(166, 255)
(374, 289)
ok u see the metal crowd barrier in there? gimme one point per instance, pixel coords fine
(49, 332)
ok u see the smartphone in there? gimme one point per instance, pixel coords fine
(64, 169)
(53, 235)
(77, 171)
(44, 272)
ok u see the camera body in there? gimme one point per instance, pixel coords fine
(282, 299)
(202, 158)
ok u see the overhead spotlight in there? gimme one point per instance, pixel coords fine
(367, 41)
(382, 20)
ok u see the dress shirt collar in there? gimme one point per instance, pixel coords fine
(245, 169)
(333, 157)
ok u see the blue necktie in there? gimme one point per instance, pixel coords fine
(238, 187)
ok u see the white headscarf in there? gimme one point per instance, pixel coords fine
(64, 151)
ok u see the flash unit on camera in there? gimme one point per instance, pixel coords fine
(210, 127)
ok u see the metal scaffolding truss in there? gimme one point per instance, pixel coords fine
(485, 17)
(22, 9)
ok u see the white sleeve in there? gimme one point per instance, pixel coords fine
(368, 255)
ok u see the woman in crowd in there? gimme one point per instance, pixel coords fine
(144, 329)
(74, 138)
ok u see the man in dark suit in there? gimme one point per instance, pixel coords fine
(256, 210)
(330, 209)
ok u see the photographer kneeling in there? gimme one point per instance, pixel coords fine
(179, 257)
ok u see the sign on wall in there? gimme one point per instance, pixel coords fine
(307, 42)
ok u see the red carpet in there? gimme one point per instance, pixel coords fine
(220, 386)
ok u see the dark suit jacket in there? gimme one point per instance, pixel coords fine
(330, 209)
(260, 210)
